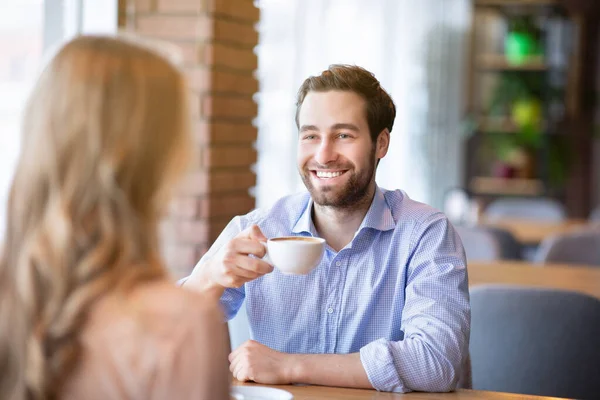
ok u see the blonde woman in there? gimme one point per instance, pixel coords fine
(86, 308)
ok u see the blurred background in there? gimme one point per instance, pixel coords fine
(498, 125)
(496, 99)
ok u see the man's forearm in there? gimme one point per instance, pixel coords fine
(342, 370)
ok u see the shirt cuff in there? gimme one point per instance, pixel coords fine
(378, 362)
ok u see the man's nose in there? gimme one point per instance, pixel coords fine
(326, 152)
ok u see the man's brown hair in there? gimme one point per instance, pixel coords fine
(380, 107)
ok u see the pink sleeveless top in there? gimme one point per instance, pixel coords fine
(159, 342)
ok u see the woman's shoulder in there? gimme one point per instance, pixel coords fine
(166, 299)
(145, 343)
(158, 308)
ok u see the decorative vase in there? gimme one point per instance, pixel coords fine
(518, 47)
(503, 170)
(523, 162)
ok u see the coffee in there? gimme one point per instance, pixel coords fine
(297, 238)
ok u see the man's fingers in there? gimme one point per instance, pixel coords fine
(245, 274)
(247, 246)
(233, 355)
(240, 259)
(241, 375)
(241, 269)
(239, 366)
(255, 265)
(237, 372)
(256, 234)
(235, 367)
(252, 232)
(247, 267)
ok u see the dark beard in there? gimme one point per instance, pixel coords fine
(353, 194)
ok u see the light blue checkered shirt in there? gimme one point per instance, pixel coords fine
(397, 293)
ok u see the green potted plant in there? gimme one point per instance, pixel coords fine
(523, 39)
(517, 97)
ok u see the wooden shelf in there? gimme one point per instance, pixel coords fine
(500, 125)
(520, 3)
(496, 124)
(506, 186)
(498, 62)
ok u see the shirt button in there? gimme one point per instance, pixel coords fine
(330, 310)
(338, 263)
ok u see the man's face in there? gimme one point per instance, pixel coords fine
(336, 156)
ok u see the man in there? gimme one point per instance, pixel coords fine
(388, 306)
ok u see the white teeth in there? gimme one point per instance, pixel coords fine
(323, 174)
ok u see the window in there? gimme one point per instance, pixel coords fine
(21, 44)
(29, 30)
(415, 48)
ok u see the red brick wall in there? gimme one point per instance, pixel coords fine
(217, 38)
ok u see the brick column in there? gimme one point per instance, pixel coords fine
(217, 38)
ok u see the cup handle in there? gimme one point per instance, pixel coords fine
(266, 257)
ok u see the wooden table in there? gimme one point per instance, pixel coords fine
(534, 232)
(332, 393)
(578, 278)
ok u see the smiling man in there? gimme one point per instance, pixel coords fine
(388, 306)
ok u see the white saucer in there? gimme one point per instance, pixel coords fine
(259, 393)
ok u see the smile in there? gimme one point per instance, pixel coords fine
(328, 174)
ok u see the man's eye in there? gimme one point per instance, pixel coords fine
(308, 137)
(343, 136)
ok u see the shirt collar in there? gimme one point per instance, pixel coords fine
(305, 222)
(378, 217)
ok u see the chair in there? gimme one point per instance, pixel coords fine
(595, 215)
(582, 247)
(479, 244)
(484, 243)
(535, 341)
(510, 247)
(538, 209)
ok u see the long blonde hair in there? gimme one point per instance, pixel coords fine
(105, 135)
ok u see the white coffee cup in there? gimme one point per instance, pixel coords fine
(295, 255)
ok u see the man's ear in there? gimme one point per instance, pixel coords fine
(383, 143)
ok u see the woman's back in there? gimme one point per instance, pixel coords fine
(157, 342)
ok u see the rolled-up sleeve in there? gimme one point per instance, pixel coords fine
(435, 319)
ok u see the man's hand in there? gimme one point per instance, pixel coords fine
(233, 265)
(256, 362)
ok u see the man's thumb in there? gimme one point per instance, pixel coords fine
(256, 234)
